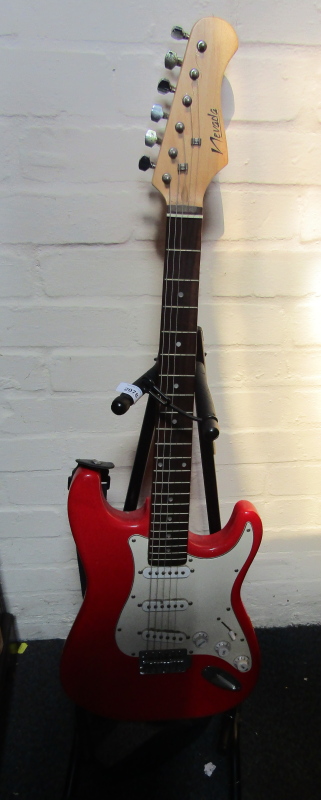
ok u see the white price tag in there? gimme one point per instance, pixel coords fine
(131, 389)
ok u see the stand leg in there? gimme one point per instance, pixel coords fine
(141, 456)
(208, 430)
(229, 745)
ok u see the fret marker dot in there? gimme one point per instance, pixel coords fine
(184, 464)
(169, 519)
(174, 421)
(176, 385)
(170, 499)
(160, 464)
(181, 294)
(178, 344)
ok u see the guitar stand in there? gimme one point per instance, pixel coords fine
(229, 738)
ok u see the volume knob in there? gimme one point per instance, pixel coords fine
(242, 663)
(200, 638)
(222, 649)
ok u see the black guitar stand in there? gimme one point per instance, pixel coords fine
(229, 738)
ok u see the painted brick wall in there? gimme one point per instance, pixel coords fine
(81, 271)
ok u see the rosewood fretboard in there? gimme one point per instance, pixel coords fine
(177, 356)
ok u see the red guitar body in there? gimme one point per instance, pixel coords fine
(97, 672)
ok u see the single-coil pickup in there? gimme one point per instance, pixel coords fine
(164, 605)
(166, 572)
(164, 636)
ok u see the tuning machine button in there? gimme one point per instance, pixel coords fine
(172, 60)
(178, 33)
(151, 138)
(165, 86)
(145, 163)
(158, 113)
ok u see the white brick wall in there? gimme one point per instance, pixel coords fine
(81, 281)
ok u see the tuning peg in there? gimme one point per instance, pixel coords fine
(158, 113)
(145, 163)
(151, 138)
(165, 86)
(172, 60)
(178, 33)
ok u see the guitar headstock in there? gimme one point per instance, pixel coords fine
(194, 148)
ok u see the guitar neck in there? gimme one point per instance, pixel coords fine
(177, 356)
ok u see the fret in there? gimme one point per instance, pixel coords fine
(169, 458)
(185, 216)
(179, 355)
(161, 522)
(181, 250)
(170, 522)
(172, 504)
(188, 280)
(166, 495)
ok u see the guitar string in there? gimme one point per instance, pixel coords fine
(159, 457)
(168, 431)
(173, 327)
(171, 336)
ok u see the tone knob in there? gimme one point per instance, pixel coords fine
(158, 113)
(165, 86)
(200, 638)
(151, 138)
(178, 33)
(145, 163)
(172, 60)
(222, 649)
(242, 663)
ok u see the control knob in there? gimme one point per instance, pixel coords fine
(242, 663)
(200, 638)
(222, 649)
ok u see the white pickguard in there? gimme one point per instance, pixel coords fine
(202, 600)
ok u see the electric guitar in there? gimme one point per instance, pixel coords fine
(162, 632)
